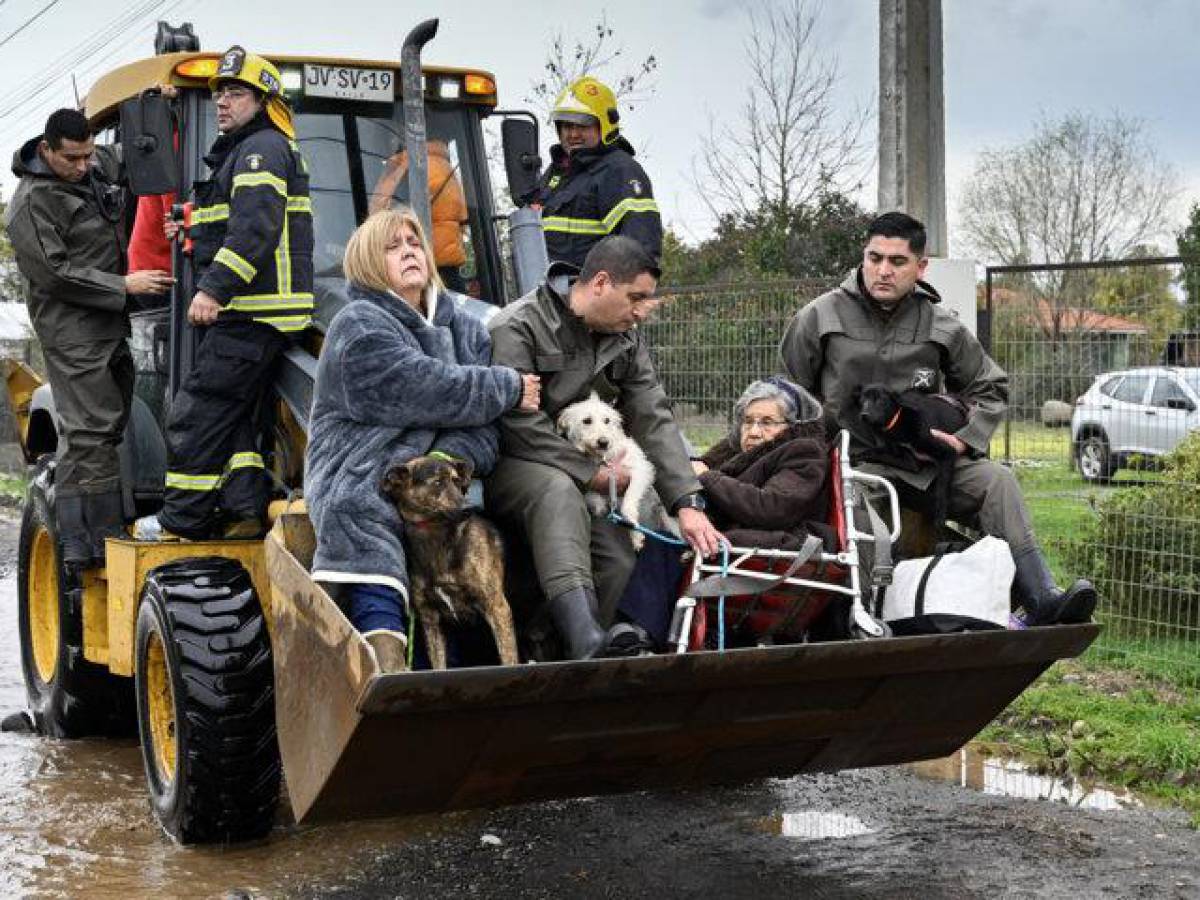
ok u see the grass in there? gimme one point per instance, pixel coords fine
(1090, 720)
(12, 487)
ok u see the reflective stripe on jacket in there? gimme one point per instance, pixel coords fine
(595, 193)
(252, 227)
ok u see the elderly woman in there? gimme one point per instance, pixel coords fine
(766, 484)
(403, 373)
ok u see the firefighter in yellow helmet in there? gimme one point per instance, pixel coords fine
(593, 187)
(252, 235)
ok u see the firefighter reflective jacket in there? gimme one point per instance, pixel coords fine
(592, 194)
(252, 227)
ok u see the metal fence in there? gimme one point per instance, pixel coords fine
(1130, 520)
(710, 341)
(1104, 392)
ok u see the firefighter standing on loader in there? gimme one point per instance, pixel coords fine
(253, 243)
(65, 226)
(593, 187)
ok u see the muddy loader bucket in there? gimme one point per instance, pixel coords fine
(357, 743)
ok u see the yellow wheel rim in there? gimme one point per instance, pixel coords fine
(160, 703)
(43, 606)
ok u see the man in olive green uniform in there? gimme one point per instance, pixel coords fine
(577, 331)
(65, 225)
(885, 325)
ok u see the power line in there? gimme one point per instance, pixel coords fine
(37, 15)
(43, 80)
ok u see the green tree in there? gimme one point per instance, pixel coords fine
(822, 239)
(1189, 249)
(10, 278)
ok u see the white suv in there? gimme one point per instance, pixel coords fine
(1134, 413)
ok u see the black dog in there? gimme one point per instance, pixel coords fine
(905, 419)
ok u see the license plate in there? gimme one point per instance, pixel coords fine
(348, 83)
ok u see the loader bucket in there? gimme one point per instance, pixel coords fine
(356, 743)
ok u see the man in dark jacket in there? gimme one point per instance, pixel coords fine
(65, 225)
(886, 325)
(577, 331)
(593, 187)
(253, 243)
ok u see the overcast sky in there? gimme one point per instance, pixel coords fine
(1007, 62)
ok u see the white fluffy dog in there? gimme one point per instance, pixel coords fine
(594, 428)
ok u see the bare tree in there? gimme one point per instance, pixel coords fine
(789, 143)
(1081, 188)
(598, 54)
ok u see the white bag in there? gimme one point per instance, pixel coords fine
(975, 583)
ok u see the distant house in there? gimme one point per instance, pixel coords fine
(1108, 340)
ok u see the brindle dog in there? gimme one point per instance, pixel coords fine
(456, 559)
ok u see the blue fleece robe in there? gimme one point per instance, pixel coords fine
(392, 386)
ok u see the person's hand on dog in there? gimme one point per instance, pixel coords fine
(698, 531)
(615, 468)
(959, 447)
(531, 392)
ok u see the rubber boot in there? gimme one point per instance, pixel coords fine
(105, 515)
(574, 614)
(1043, 601)
(73, 533)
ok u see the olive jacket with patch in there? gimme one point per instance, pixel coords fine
(539, 333)
(843, 339)
(67, 241)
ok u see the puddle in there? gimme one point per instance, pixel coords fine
(813, 825)
(75, 819)
(1011, 778)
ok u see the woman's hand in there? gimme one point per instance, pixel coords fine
(698, 467)
(531, 392)
(699, 532)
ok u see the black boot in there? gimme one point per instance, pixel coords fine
(574, 614)
(71, 525)
(1044, 602)
(105, 515)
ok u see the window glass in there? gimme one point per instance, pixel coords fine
(1132, 389)
(1109, 388)
(1166, 389)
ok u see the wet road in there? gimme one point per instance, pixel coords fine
(74, 821)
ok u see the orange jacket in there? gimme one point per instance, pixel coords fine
(448, 204)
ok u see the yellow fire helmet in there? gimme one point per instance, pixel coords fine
(254, 71)
(588, 101)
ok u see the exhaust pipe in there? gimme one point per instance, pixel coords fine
(414, 121)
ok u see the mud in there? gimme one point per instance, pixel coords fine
(74, 821)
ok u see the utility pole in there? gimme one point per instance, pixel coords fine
(912, 138)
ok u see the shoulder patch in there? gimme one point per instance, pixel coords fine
(635, 185)
(254, 161)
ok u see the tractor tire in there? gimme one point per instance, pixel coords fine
(206, 702)
(68, 696)
(1094, 460)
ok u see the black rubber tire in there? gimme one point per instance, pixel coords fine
(1093, 459)
(225, 783)
(80, 698)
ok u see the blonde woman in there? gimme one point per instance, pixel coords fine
(404, 372)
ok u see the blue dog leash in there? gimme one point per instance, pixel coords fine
(616, 518)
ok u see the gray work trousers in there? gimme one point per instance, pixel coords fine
(570, 548)
(984, 495)
(92, 384)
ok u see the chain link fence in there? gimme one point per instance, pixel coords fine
(1102, 433)
(710, 341)
(1128, 517)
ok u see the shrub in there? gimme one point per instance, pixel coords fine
(1143, 550)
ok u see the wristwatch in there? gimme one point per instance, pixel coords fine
(694, 501)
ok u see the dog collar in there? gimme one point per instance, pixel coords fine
(892, 424)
